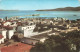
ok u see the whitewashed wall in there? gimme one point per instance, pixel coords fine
(10, 33)
(4, 33)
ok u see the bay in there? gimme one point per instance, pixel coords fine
(71, 15)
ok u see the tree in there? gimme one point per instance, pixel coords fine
(65, 42)
(40, 47)
(52, 44)
(73, 38)
(57, 43)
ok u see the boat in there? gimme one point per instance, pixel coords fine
(74, 15)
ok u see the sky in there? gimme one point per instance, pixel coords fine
(37, 4)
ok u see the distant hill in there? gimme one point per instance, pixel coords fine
(9, 10)
(63, 9)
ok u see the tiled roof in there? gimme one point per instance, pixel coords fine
(20, 47)
(8, 27)
(1, 36)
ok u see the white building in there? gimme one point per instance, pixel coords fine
(14, 24)
(7, 23)
(1, 39)
(26, 30)
(42, 39)
(2, 33)
(10, 33)
(6, 34)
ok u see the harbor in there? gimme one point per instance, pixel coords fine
(43, 14)
(39, 26)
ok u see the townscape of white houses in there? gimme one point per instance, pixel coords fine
(34, 30)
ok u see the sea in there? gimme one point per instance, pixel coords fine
(70, 15)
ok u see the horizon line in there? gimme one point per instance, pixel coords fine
(33, 10)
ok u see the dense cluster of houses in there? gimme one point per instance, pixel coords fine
(31, 31)
(8, 28)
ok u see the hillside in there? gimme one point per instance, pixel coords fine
(63, 9)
